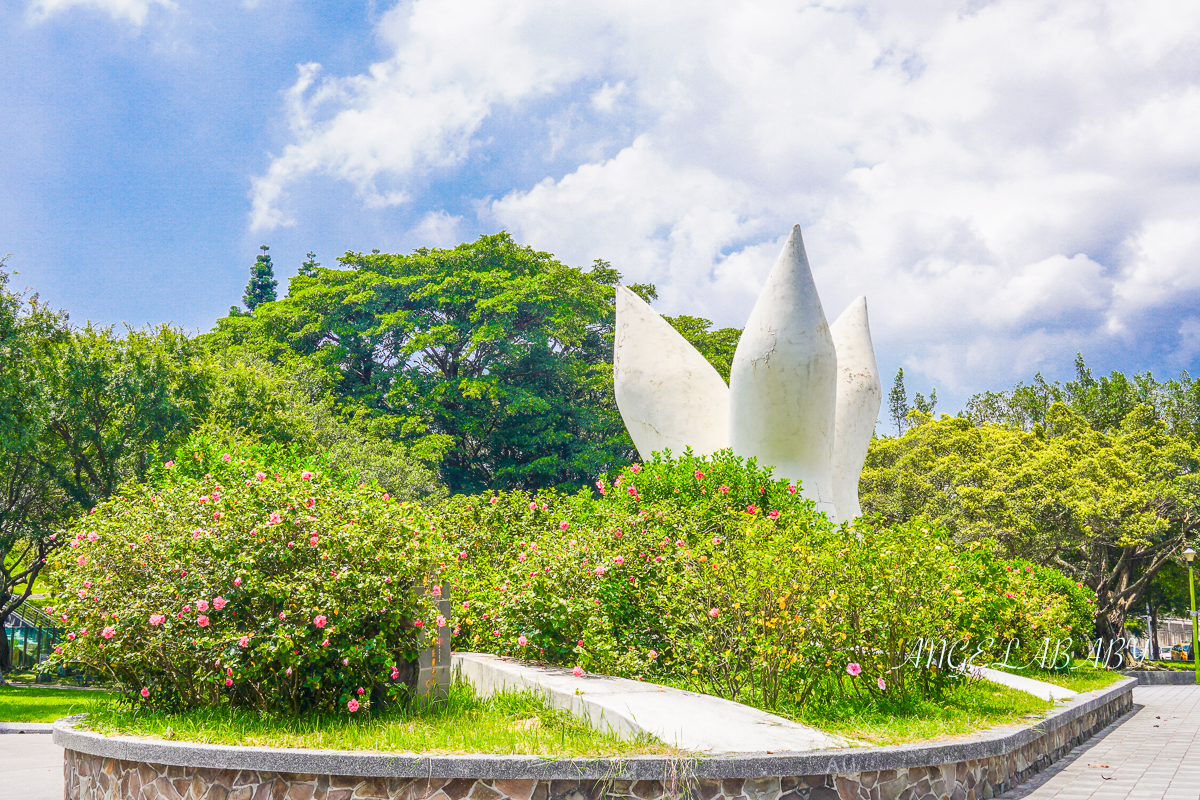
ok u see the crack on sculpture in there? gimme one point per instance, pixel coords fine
(803, 395)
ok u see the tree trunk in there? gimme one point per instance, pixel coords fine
(1153, 648)
(5, 651)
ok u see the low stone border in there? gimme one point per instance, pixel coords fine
(26, 727)
(1163, 677)
(982, 766)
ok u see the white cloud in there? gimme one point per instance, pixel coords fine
(1001, 179)
(438, 229)
(134, 11)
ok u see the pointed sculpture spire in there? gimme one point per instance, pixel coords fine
(859, 395)
(783, 382)
(667, 392)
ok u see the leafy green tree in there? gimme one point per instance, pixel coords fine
(308, 267)
(1108, 508)
(717, 345)
(261, 288)
(496, 348)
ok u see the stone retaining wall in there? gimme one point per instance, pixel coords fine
(1163, 677)
(981, 767)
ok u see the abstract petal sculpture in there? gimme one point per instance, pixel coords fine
(783, 382)
(668, 394)
(802, 397)
(859, 395)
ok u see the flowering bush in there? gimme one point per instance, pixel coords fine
(707, 570)
(277, 591)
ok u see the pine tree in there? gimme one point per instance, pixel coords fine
(898, 403)
(923, 405)
(309, 268)
(261, 288)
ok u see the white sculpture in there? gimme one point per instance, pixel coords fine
(668, 394)
(802, 397)
(859, 395)
(783, 382)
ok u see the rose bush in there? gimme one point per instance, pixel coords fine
(227, 581)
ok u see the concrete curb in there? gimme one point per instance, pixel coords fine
(26, 727)
(1163, 678)
(994, 742)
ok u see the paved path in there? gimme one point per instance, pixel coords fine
(1150, 754)
(31, 767)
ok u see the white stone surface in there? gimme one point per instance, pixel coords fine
(1046, 691)
(668, 394)
(859, 396)
(688, 720)
(783, 383)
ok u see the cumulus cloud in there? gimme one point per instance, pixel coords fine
(1006, 182)
(134, 11)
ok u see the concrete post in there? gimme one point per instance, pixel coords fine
(433, 676)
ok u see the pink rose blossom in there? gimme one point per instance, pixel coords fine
(237, 581)
(853, 668)
(229, 681)
(288, 671)
(93, 536)
(880, 683)
(82, 560)
(108, 632)
(578, 671)
(260, 476)
(724, 490)
(145, 692)
(636, 468)
(522, 641)
(353, 706)
(533, 506)
(653, 655)
(619, 561)
(157, 619)
(699, 475)
(437, 591)
(420, 623)
(441, 621)
(202, 605)
(325, 643)
(564, 525)
(306, 476)
(395, 673)
(75, 544)
(244, 641)
(186, 609)
(202, 621)
(361, 691)
(203, 498)
(751, 509)
(713, 612)
(773, 515)
(319, 620)
(345, 662)
(494, 500)
(169, 464)
(226, 458)
(217, 515)
(197, 533)
(71, 636)
(274, 519)
(219, 603)
(580, 642)
(600, 570)
(544, 506)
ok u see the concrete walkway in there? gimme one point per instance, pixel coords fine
(1150, 754)
(31, 767)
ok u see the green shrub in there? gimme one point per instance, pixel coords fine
(248, 587)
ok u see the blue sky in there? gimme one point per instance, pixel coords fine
(1008, 182)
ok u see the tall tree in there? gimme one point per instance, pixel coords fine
(898, 403)
(261, 288)
(308, 267)
(498, 349)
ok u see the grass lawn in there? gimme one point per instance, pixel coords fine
(1083, 677)
(19, 704)
(963, 710)
(511, 724)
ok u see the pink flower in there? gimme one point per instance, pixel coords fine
(636, 468)
(202, 605)
(600, 570)
(306, 476)
(361, 691)
(237, 581)
(169, 464)
(219, 603)
(352, 705)
(713, 612)
(1009, 594)
(680, 543)
(653, 655)
(544, 506)
(229, 681)
(196, 534)
(93, 536)
(853, 668)
(441, 621)
(217, 515)
(319, 620)
(75, 544)
(71, 636)
(202, 621)
(880, 683)
(494, 500)
(157, 619)
(578, 671)
(226, 458)
(522, 641)
(773, 515)
(312, 542)
(564, 525)
(274, 519)
(325, 643)
(395, 673)
(260, 476)
(108, 632)
(791, 489)
(420, 623)
(145, 692)
(466, 605)
(520, 556)
(751, 509)
(619, 561)
(187, 609)
(699, 475)
(533, 506)
(463, 555)
(345, 662)
(310, 502)
(437, 591)
(580, 642)
(632, 490)
(81, 560)
(386, 497)
(244, 641)
(724, 490)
